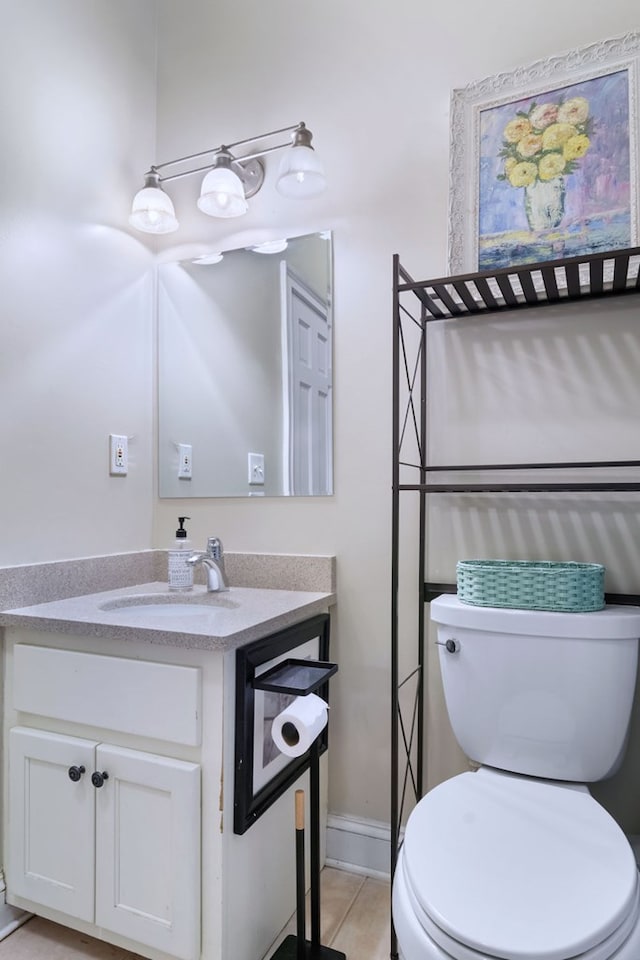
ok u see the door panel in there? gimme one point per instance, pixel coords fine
(50, 859)
(310, 467)
(148, 850)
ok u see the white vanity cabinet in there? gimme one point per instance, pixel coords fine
(101, 831)
(149, 860)
(122, 851)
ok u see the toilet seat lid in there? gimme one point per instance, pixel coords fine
(519, 868)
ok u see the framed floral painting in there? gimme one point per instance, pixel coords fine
(544, 160)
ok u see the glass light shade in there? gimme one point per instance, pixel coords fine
(301, 173)
(270, 246)
(152, 211)
(209, 258)
(222, 194)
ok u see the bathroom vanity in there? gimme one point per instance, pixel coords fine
(119, 770)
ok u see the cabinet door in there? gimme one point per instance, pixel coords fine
(50, 856)
(148, 850)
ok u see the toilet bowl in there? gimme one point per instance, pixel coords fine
(496, 865)
(517, 861)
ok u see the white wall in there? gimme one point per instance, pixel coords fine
(77, 95)
(77, 110)
(372, 80)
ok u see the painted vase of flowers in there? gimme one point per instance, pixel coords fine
(544, 203)
(540, 148)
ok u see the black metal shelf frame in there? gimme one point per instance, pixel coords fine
(415, 305)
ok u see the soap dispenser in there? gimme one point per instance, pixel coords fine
(180, 572)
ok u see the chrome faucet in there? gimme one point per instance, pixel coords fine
(215, 549)
(213, 562)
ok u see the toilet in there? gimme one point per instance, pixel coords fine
(517, 861)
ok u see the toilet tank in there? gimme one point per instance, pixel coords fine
(539, 693)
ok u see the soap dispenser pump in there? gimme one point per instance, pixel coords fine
(180, 572)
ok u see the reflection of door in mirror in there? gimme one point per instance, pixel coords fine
(308, 442)
(226, 384)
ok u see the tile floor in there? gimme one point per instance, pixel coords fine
(355, 920)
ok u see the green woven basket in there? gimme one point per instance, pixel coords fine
(532, 584)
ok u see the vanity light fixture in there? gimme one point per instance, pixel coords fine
(231, 178)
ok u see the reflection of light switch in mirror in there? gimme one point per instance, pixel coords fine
(185, 466)
(256, 468)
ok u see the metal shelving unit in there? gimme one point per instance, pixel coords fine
(474, 296)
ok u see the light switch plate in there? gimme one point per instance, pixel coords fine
(255, 463)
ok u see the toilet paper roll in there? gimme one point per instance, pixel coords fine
(297, 726)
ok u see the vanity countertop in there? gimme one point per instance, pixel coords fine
(237, 616)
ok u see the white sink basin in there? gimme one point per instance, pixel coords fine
(165, 606)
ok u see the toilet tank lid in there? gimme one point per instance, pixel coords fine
(614, 622)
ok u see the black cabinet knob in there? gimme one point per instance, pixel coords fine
(97, 779)
(75, 773)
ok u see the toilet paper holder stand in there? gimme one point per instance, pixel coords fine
(300, 678)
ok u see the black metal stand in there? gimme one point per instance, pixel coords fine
(415, 305)
(288, 950)
(300, 877)
(283, 679)
(298, 947)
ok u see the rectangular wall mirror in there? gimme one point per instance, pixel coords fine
(245, 373)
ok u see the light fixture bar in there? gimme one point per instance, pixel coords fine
(225, 148)
(265, 136)
(263, 153)
(234, 160)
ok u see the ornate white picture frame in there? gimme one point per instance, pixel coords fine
(564, 109)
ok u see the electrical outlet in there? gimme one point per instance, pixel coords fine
(118, 455)
(256, 469)
(185, 465)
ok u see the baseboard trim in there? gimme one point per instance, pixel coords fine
(360, 846)
(11, 918)
(359, 871)
(364, 846)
